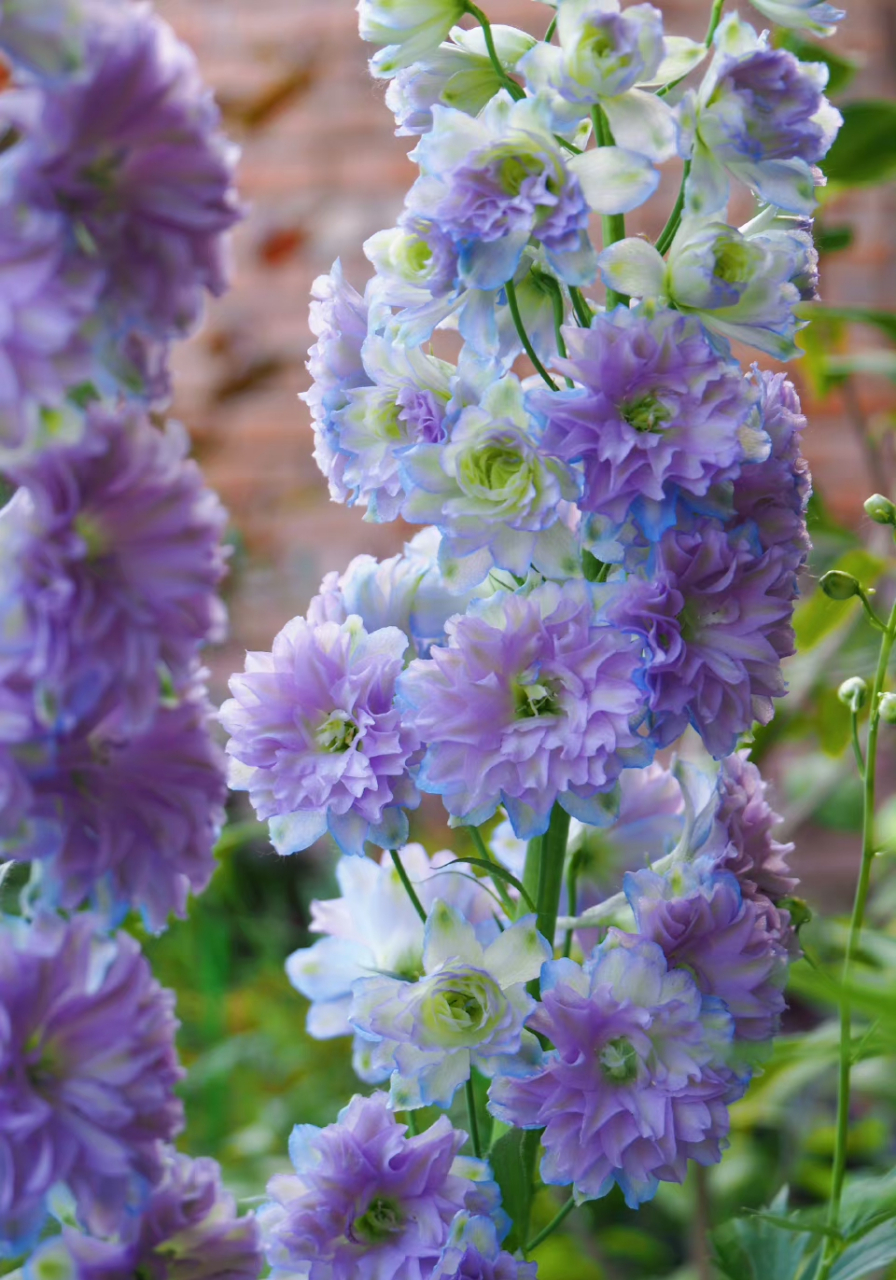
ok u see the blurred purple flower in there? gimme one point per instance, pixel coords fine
(530, 702)
(188, 1229)
(87, 1070)
(124, 820)
(316, 739)
(635, 1085)
(116, 554)
(474, 1252)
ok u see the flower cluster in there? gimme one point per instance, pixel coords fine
(613, 529)
(117, 194)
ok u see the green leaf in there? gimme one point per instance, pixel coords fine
(833, 239)
(755, 1248)
(864, 150)
(881, 363)
(495, 869)
(840, 70)
(885, 321)
(510, 1159)
(874, 1251)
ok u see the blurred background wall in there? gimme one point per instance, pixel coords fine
(321, 171)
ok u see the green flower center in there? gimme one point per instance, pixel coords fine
(463, 1008)
(535, 698)
(647, 413)
(418, 255)
(733, 261)
(514, 170)
(382, 1219)
(618, 1060)
(337, 733)
(91, 533)
(493, 467)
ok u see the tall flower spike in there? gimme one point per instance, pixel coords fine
(316, 739)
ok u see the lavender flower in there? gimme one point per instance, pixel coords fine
(474, 1252)
(717, 620)
(814, 16)
(636, 1084)
(365, 1200)
(773, 494)
(492, 492)
(761, 117)
(87, 1069)
(45, 300)
(117, 557)
(188, 1229)
(531, 702)
(702, 923)
(316, 739)
(657, 407)
(466, 1010)
(124, 820)
(373, 928)
(47, 40)
(494, 181)
(130, 151)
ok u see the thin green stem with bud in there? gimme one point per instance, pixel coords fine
(513, 304)
(408, 887)
(515, 90)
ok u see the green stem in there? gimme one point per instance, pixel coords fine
(715, 18)
(852, 945)
(581, 308)
(513, 304)
(552, 288)
(856, 745)
(485, 854)
(552, 27)
(408, 887)
(550, 873)
(869, 611)
(572, 879)
(667, 235)
(474, 1123)
(515, 90)
(612, 224)
(560, 1216)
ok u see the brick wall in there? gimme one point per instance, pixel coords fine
(321, 171)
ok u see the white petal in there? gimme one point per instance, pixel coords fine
(517, 954)
(615, 180)
(643, 123)
(292, 832)
(681, 56)
(449, 936)
(633, 267)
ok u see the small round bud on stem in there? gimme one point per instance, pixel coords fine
(853, 693)
(838, 585)
(887, 708)
(881, 509)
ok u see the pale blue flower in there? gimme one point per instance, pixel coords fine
(491, 491)
(816, 17)
(743, 284)
(467, 1010)
(493, 182)
(409, 29)
(373, 928)
(459, 73)
(759, 116)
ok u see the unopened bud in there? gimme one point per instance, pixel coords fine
(887, 708)
(838, 585)
(881, 509)
(800, 912)
(853, 693)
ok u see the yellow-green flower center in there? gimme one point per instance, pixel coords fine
(337, 733)
(619, 1060)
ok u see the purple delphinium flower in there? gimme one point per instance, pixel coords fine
(365, 1201)
(474, 1252)
(124, 819)
(131, 152)
(717, 619)
(656, 407)
(774, 494)
(744, 824)
(44, 303)
(493, 182)
(339, 320)
(188, 1229)
(48, 40)
(316, 739)
(703, 924)
(87, 1070)
(530, 702)
(636, 1084)
(117, 569)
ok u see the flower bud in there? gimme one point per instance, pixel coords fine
(887, 708)
(853, 693)
(800, 912)
(881, 509)
(838, 585)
